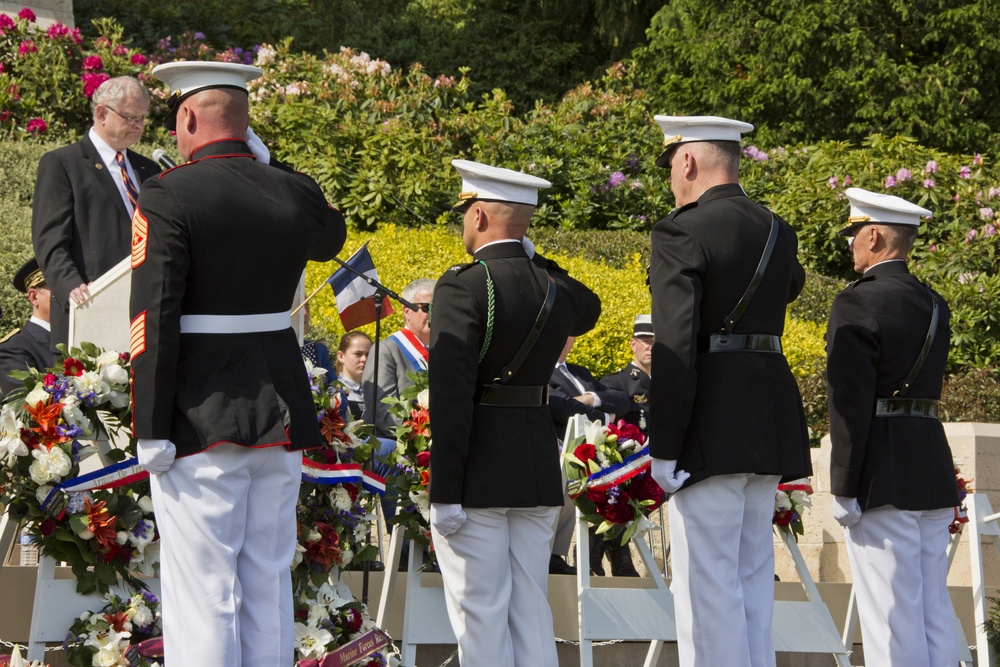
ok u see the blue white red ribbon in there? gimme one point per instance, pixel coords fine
(129, 471)
(618, 473)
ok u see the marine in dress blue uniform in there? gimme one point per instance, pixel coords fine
(495, 481)
(633, 380)
(29, 346)
(891, 470)
(726, 420)
(221, 395)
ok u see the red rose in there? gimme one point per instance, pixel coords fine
(597, 497)
(424, 458)
(585, 452)
(644, 487)
(627, 432)
(47, 527)
(618, 512)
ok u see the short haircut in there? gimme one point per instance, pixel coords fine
(116, 89)
(419, 285)
(724, 154)
(899, 237)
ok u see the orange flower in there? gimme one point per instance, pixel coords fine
(117, 620)
(47, 418)
(332, 426)
(102, 524)
(419, 422)
(425, 477)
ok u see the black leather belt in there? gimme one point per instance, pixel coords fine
(906, 407)
(723, 342)
(508, 396)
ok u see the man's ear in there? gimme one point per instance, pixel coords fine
(190, 119)
(482, 220)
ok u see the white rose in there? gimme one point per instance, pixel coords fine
(36, 396)
(146, 504)
(106, 359)
(424, 397)
(107, 657)
(340, 498)
(49, 465)
(782, 501)
(801, 498)
(121, 537)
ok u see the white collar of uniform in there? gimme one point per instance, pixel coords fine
(884, 261)
(107, 153)
(42, 323)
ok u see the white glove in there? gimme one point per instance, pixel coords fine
(155, 456)
(446, 518)
(529, 247)
(847, 511)
(666, 474)
(257, 147)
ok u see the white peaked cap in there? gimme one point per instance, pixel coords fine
(481, 181)
(872, 207)
(683, 129)
(186, 77)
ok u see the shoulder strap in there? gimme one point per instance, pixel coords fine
(904, 387)
(734, 316)
(543, 315)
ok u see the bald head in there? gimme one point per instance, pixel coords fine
(210, 115)
(699, 165)
(489, 221)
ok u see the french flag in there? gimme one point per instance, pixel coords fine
(353, 294)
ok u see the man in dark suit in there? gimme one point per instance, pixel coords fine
(85, 195)
(495, 482)
(221, 396)
(573, 390)
(726, 420)
(891, 470)
(28, 347)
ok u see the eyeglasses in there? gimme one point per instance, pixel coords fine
(422, 307)
(131, 120)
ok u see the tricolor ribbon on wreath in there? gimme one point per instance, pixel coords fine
(129, 471)
(613, 475)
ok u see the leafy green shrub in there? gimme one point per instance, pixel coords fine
(47, 76)
(972, 395)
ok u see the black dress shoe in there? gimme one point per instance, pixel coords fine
(621, 560)
(558, 565)
(373, 566)
(597, 548)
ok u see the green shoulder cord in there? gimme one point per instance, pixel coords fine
(490, 298)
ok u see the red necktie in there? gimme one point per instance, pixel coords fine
(130, 189)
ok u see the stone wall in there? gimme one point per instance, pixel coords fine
(976, 449)
(46, 11)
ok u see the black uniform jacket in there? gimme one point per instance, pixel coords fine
(877, 327)
(485, 456)
(28, 347)
(79, 223)
(224, 235)
(563, 404)
(634, 382)
(723, 412)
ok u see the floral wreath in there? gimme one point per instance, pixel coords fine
(124, 631)
(607, 469)
(411, 460)
(790, 502)
(48, 428)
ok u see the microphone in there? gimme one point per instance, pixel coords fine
(161, 156)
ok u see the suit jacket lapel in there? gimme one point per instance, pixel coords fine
(142, 168)
(95, 164)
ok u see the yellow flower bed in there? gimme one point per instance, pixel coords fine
(402, 255)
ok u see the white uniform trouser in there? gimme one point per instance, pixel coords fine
(723, 571)
(899, 562)
(226, 518)
(495, 570)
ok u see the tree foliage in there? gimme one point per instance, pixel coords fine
(817, 69)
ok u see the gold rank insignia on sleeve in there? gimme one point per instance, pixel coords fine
(140, 234)
(640, 398)
(137, 336)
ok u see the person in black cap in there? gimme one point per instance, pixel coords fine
(222, 403)
(891, 470)
(633, 380)
(27, 347)
(85, 195)
(726, 422)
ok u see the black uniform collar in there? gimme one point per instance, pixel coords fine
(722, 192)
(222, 148)
(890, 268)
(513, 248)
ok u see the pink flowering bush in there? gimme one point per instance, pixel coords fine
(47, 75)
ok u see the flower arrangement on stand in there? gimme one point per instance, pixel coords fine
(48, 427)
(411, 460)
(790, 501)
(609, 481)
(110, 636)
(964, 489)
(334, 524)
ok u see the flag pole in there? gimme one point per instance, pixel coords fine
(306, 300)
(368, 279)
